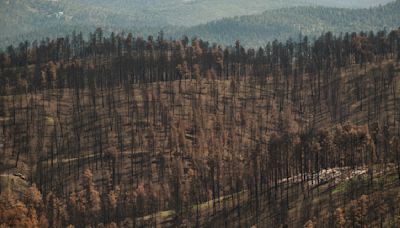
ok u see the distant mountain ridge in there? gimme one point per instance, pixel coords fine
(22, 20)
(288, 23)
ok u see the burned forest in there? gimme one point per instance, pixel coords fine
(123, 131)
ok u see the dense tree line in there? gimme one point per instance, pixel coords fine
(157, 59)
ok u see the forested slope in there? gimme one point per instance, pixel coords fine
(287, 23)
(22, 20)
(123, 131)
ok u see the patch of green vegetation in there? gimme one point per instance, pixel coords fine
(360, 182)
(339, 188)
(201, 206)
(166, 214)
(49, 120)
(356, 182)
(14, 183)
(205, 205)
(384, 180)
